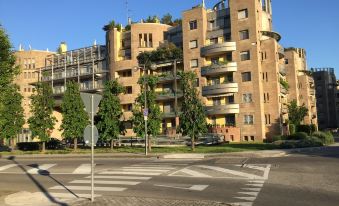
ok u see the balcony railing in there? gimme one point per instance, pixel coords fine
(217, 48)
(164, 95)
(282, 69)
(217, 89)
(219, 68)
(222, 109)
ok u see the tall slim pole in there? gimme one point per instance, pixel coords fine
(145, 110)
(92, 150)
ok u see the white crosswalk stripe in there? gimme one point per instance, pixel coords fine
(130, 173)
(39, 168)
(88, 188)
(105, 182)
(120, 177)
(70, 195)
(83, 169)
(5, 167)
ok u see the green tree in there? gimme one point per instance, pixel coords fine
(154, 113)
(296, 113)
(177, 22)
(109, 124)
(11, 113)
(152, 19)
(74, 116)
(167, 19)
(42, 121)
(192, 118)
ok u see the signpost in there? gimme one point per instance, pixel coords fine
(91, 134)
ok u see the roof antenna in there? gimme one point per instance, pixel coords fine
(129, 21)
(203, 3)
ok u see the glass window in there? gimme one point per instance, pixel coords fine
(193, 44)
(194, 63)
(216, 101)
(244, 34)
(128, 90)
(243, 14)
(248, 119)
(245, 55)
(246, 76)
(247, 98)
(193, 25)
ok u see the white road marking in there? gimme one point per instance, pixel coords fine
(255, 185)
(249, 193)
(246, 198)
(121, 177)
(192, 173)
(160, 164)
(242, 203)
(252, 189)
(150, 167)
(5, 167)
(83, 169)
(232, 172)
(130, 173)
(257, 181)
(144, 170)
(43, 167)
(105, 182)
(70, 195)
(255, 167)
(194, 187)
(88, 188)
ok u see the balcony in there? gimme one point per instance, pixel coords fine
(216, 69)
(284, 109)
(282, 69)
(281, 52)
(283, 90)
(167, 77)
(222, 109)
(272, 34)
(168, 114)
(166, 95)
(218, 48)
(219, 89)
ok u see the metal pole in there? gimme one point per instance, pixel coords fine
(145, 117)
(92, 151)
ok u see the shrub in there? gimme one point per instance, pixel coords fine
(28, 146)
(309, 129)
(298, 136)
(276, 138)
(325, 137)
(307, 142)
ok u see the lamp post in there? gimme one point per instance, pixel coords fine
(145, 68)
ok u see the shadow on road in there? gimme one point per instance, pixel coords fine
(36, 182)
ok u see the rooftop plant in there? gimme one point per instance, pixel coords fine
(165, 52)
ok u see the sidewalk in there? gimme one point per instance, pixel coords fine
(141, 201)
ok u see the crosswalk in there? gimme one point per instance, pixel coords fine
(114, 179)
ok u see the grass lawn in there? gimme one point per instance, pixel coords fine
(233, 147)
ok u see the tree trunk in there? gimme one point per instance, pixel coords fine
(43, 147)
(192, 144)
(149, 144)
(112, 144)
(75, 144)
(12, 144)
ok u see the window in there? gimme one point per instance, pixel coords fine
(248, 119)
(194, 63)
(128, 107)
(267, 119)
(215, 60)
(213, 40)
(193, 44)
(128, 90)
(286, 61)
(266, 97)
(212, 24)
(230, 99)
(247, 98)
(252, 138)
(245, 55)
(244, 34)
(227, 37)
(230, 120)
(246, 76)
(243, 14)
(246, 138)
(126, 73)
(216, 101)
(193, 25)
(25, 75)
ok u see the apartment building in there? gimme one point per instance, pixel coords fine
(301, 83)
(326, 92)
(28, 61)
(87, 66)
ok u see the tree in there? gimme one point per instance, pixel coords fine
(74, 116)
(177, 22)
(42, 121)
(167, 19)
(152, 19)
(192, 118)
(8, 70)
(110, 112)
(296, 113)
(154, 113)
(11, 113)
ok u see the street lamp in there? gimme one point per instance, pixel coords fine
(147, 66)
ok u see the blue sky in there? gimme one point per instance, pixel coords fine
(313, 25)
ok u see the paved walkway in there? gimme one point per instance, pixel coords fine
(140, 201)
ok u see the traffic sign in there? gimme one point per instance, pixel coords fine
(145, 112)
(88, 135)
(86, 98)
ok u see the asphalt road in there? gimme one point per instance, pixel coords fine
(310, 178)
